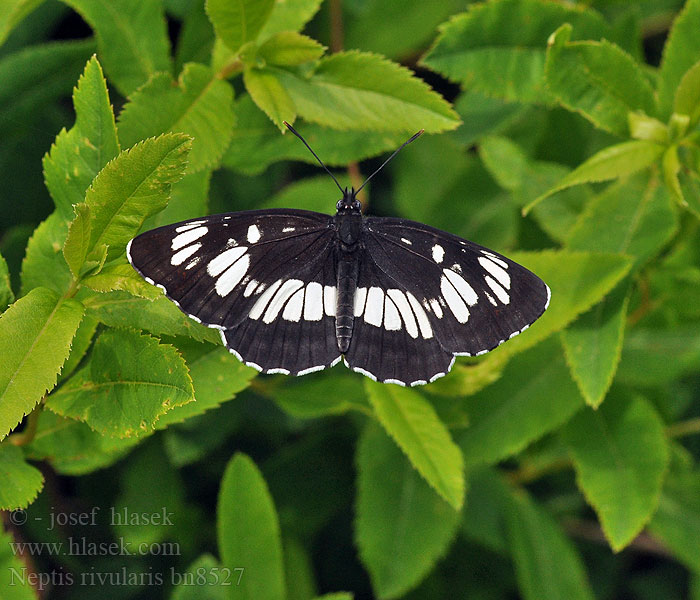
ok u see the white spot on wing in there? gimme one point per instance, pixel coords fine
(499, 273)
(281, 296)
(288, 230)
(360, 297)
(404, 307)
(313, 302)
(187, 237)
(253, 234)
(188, 226)
(423, 322)
(392, 319)
(454, 301)
(258, 308)
(330, 295)
(437, 309)
(293, 308)
(232, 276)
(193, 263)
(405, 241)
(495, 258)
(501, 294)
(465, 290)
(491, 300)
(252, 284)
(374, 312)
(438, 253)
(180, 257)
(224, 260)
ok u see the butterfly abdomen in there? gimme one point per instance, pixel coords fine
(348, 272)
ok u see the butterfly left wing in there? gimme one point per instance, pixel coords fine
(474, 298)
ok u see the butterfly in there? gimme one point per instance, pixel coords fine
(294, 291)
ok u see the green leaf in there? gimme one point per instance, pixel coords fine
(311, 193)
(133, 186)
(402, 527)
(159, 316)
(593, 344)
(44, 263)
(238, 22)
(578, 280)
(199, 105)
(413, 424)
(483, 518)
(483, 115)
(35, 338)
(677, 520)
(79, 347)
(122, 277)
(6, 294)
(670, 168)
(257, 143)
(131, 36)
(248, 531)
(598, 80)
(10, 566)
(620, 453)
(204, 579)
(681, 52)
(12, 12)
(78, 242)
(498, 48)
(129, 381)
(329, 393)
(189, 199)
(687, 98)
(358, 90)
(216, 375)
(290, 15)
(635, 217)
(72, 448)
(643, 127)
(534, 396)
(547, 564)
(78, 155)
(21, 482)
(298, 571)
(267, 91)
(612, 162)
(290, 48)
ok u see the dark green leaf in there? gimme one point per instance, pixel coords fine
(204, 579)
(35, 338)
(6, 294)
(12, 12)
(10, 564)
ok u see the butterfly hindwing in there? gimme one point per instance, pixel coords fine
(474, 298)
(216, 268)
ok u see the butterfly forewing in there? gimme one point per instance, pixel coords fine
(474, 298)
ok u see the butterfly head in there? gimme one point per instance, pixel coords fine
(349, 202)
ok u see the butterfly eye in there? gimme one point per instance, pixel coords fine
(356, 205)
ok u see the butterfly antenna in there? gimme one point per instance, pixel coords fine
(406, 143)
(296, 133)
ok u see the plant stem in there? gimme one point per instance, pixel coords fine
(684, 428)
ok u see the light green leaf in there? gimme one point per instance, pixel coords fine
(78, 155)
(12, 12)
(336, 596)
(217, 376)
(238, 22)
(78, 242)
(681, 52)
(289, 15)
(6, 294)
(35, 338)
(677, 520)
(534, 396)
(498, 48)
(10, 566)
(267, 91)
(248, 531)
(44, 263)
(357, 90)
(620, 453)
(547, 564)
(329, 393)
(21, 482)
(81, 342)
(593, 344)
(635, 217)
(129, 381)
(122, 277)
(612, 162)
(402, 527)
(670, 168)
(189, 199)
(133, 186)
(159, 316)
(687, 98)
(204, 579)
(644, 127)
(290, 48)
(298, 570)
(598, 80)
(72, 448)
(578, 280)
(199, 105)
(690, 187)
(257, 143)
(413, 424)
(132, 38)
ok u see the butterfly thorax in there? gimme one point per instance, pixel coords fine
(348, 221)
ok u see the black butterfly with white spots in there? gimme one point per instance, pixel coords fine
(294, 291)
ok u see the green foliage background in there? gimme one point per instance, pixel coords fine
(563, 465)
